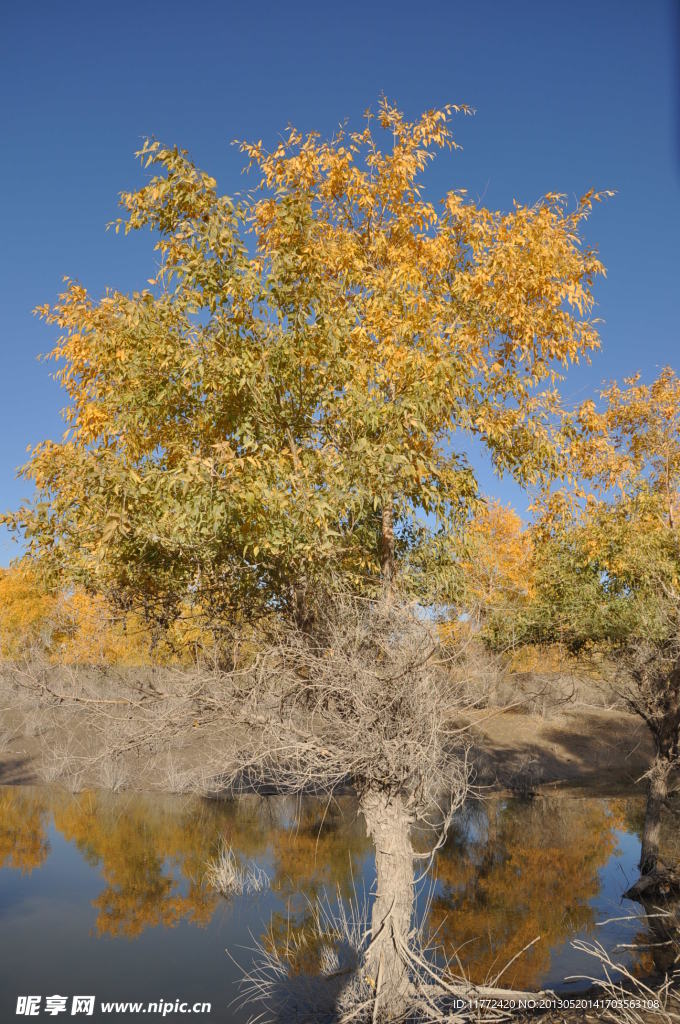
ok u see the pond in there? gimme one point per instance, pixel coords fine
(105, 895)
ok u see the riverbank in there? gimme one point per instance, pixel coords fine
(603, 750)
(84, 743)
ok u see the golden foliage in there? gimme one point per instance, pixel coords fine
(76, 628)
(305, 362)
(26, 612)
(498, 556)
(495, 560)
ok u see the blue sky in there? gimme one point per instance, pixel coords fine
(569, 94)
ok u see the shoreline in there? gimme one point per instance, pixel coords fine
(601, 751)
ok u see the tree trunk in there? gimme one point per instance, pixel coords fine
(388, 824)
(664, 929)
(387, 544)
(656, 798)
(302, 608)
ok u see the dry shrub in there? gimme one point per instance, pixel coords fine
(227, 875)
(630, 999)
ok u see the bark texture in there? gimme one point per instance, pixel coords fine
(388, 824)
(657, 795)
(661, 711)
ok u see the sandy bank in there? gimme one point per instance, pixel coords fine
(599, 749)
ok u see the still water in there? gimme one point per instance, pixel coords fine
(105, 895)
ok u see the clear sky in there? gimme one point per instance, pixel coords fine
(569, 94)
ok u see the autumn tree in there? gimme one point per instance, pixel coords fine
(69, 626)
(608, 562)
(280, 405)
(27, 612)
(281, 415)
(494, 556)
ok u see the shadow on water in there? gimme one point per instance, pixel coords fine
(108, 893)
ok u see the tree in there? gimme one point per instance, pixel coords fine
(26, 612)
(286, 400)
(278, 420)
(608, 562)
(72, 627)
(367, 703)
(494, 553)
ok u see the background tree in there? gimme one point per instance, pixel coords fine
(72, 627)
(607, 563)
(494, 556)
(27, 611)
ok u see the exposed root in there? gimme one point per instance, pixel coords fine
(317, 975)
(633, 1001)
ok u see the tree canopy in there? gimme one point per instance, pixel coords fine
(289, 397)
(605, 564)
(608, 547)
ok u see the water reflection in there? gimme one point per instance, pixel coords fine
(513, 871)
(144, 854)
(23, 824)
(152, 851)
(510, 871)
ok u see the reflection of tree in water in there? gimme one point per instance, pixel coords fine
(632, 811)
(141, 847)
(153, 856)
(322, 849)
(322, 853)
(23, 829)
(508, 873)
(153, 851)
(513, 871)
(658, 940)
